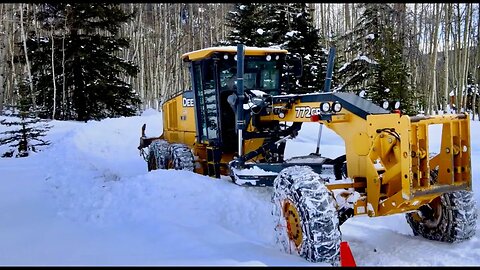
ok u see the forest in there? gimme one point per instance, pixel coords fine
(92, 61)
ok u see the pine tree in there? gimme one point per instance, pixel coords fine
(287, 26)
(379, 67)
(87, 34)
(28, 136)
(303, 40)
(248, 23)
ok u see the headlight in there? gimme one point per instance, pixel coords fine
(325, 107)
(337, 107)
(269, 57)
(385, 105)
(397, 105)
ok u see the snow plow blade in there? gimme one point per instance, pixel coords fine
(263, 174)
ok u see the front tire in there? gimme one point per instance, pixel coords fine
(306, 217)
(450, 217)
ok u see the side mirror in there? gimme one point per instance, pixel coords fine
(294, 65)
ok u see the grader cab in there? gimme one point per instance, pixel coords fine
(236, 120)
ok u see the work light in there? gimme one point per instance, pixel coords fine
(325, 107)
(385, 104)
(337, 106)
(397, 105)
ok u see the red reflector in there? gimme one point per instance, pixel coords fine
(346, 256)
(397, 111)
(315, 118)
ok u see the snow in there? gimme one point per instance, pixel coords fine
(89, 200)
(365, 58)
(370, 36)
(344, 66)
(260, 31)
(291, 33)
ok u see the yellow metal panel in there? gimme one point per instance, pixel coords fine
(179, 121)
(361, 149)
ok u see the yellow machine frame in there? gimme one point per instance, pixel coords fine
(387, 154)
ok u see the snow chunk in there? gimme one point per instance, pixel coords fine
(370, 36)
(253, 171)
(259, 93)
(370, 208)
(291, 33)
(260, 31)
(150, 112)
(344, 67)
(365, 58)
(242, 7)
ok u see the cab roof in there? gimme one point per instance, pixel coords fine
(204, 53)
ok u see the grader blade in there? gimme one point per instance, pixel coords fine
(263, 174)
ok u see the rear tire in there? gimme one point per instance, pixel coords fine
(158, 153)
(450, 218)
(181, 157)
(306, 217)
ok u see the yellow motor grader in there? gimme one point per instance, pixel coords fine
(236, 120)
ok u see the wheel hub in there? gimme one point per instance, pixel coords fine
(431, 214)
(294, 226)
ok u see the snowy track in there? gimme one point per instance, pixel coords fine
(89, 200)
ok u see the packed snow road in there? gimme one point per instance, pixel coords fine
(89, 200)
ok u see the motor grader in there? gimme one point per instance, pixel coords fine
(237, 118)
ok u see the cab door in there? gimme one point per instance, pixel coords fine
(206, 101)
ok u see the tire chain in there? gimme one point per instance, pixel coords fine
(182, 157)
(458, 221)
(321, 233)
(158, 154)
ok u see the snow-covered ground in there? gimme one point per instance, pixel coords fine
(88, 199)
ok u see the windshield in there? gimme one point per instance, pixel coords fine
(260, 74)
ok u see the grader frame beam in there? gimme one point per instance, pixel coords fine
(390, 154)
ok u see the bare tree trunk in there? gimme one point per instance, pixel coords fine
(65, 107)
(2, 70)
(11, 45)
(433, 94)
(24, 40)
(3, 54)
(414, 48)
(347, 25)
(466, 42)
(458, 54)
(54, 79)
(446, 93)
(322, 21)
(477, 70)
